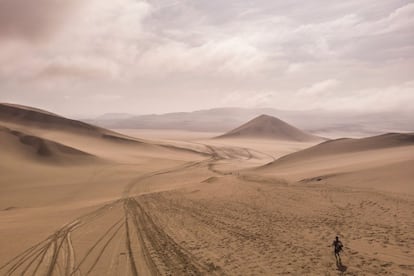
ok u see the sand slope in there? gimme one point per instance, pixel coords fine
(345, 145)
(225, 223)
(100, 142)
(33, 118)
(268, 127)
(379, 162)
(34, 148)
(200, 207)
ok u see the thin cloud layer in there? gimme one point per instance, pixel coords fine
(161, 56)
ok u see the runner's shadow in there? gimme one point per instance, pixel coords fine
(341, 267)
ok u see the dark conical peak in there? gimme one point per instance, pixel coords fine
(269, 127)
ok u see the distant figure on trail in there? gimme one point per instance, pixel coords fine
(337, 244)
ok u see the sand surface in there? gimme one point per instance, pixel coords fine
(185, 204)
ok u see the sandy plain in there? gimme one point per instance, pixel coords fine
(174, 203)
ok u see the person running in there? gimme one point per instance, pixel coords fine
(337, 244)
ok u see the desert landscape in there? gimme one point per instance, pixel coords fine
(263, 199)
(208, 137)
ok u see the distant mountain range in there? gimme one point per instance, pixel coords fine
(324, 123)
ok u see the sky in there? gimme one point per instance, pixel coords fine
(89, 57)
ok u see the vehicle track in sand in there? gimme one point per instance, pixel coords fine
(54, 255)
(147, 248)
(251, 230)
(163, 256)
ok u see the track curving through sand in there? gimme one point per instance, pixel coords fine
(129, 241)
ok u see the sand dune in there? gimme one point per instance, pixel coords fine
(40, 118)
(345, 145)
(189, 205)
(223, 223)
(28, 117)
(31, 146)
(352, 162)
(100, 142)
(268, 127)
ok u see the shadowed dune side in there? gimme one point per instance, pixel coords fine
(28, 117)
(37, 117)
(30, 147)
(79, 135)
(268, 127)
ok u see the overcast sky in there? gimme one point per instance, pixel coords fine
(87, 57)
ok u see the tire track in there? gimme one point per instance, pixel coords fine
(23, 255)
(166, 256)
(132, 183)
(104, 248)
(114, 264)
(100, 239)
(218, 222)
(45, 254)
(23, 260)
(39, 254)
(41, 260)
(56, 255)
(131, 258)
(70, 261)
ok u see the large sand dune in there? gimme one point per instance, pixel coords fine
(37, 149)
(268, 127)
(73, 202)
(78, 135)
(346, 145)
(25, 117)
(39, 118)
(379, 162)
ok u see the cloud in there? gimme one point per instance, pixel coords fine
(390, 98)
(86, 69)
(319, 88)
(182, 55)
(295, 67)
(252, 99)
(226, 56)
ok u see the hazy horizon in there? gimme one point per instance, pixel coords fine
(87, 58)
